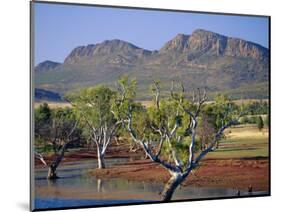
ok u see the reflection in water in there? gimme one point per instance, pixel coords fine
(77, 187)
(99, 185)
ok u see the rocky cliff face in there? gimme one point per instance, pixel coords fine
(206, 42)
(178, 44)
(200, 42)
(106, 48)
(241, 48)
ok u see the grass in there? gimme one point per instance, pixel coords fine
(53, 105)
(148, 103)
(243, 141)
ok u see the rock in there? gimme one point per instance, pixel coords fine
(106, 48)
(177, 44)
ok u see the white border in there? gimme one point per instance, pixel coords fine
(14, 110)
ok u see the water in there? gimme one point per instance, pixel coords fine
(76, 187)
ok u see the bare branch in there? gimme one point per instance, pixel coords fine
(73, 129)
(201, 100)
(193, 97)
(111, 134)
(174, 154)
(156, 130)
(41, 158)
(173, 131)
(160, 147)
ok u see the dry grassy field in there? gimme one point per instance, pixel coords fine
(146, 103)
(53, 105)
(243, 141)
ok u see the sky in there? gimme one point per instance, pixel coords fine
(58, 28)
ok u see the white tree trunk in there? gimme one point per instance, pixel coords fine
(99, 185)
(171, 186)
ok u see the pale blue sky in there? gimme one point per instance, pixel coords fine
(60, 28)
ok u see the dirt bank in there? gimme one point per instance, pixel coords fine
(238, 173)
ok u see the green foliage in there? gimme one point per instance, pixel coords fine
(93, 104)
(95, 109)
(42, 118)
(221, 111)
(168, 114)
(63, 121)
(181, 150)
(256, 107)
(150, 123)
(101, 107)
(42, 146)
(253, 119)
(43, 113)
(216, 115)
(243, 120)
(163, 114)
(125, 98)
(52, 127)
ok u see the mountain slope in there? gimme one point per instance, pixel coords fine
(203, 58)
(205, 42)
(45, 95)
(46, 66)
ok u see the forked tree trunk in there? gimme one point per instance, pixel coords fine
(170, 187)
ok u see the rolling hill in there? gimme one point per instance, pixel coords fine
(45, 95)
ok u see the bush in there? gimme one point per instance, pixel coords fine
(248, 120)
(244, 120)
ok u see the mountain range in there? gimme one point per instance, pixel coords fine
(202, 59)
(44, 95)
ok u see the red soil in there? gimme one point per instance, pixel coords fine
(225, 173)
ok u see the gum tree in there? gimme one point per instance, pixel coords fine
(57, 129)
(93, 106)
(169, 134)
